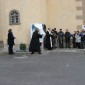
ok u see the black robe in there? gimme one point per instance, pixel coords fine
(35, 44)
(10, 42)
(10, 38)
(48, 40)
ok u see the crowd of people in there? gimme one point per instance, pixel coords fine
(52, 38)
(76, 40)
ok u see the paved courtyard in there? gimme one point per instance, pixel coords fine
(50, 68)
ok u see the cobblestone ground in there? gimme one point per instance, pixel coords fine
(49, 68)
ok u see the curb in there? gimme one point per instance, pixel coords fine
(48, 51)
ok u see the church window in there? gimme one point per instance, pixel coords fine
(14, 17)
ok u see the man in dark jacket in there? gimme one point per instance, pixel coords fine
(53, 39)
(67, 38)
(55, 32)
(74, 40)
(10, 41)
(60, 37)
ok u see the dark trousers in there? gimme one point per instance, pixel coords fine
(61, 43)
(82, 44)
(10, 49)
(38, 52)
(67, 44)
(53, 43)
(78, 45)
(74, 45)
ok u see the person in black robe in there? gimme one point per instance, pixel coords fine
(10, 41)
(67, 39)
(53, 38)
(49, 39)
(35, 43)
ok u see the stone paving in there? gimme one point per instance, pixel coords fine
(56, 67)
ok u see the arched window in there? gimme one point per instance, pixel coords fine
(14, 17)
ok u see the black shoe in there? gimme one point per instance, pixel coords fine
(39, 52)
(49, 48)
(32, 53)
(10, 53)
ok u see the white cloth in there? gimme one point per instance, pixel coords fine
(78, 38)
(50, 38)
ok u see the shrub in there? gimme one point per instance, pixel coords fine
(22, 46)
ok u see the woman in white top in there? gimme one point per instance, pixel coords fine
(78, 39)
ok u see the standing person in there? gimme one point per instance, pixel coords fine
(67, 38)
(74, 40)
(53, 38)
(60, 36)
(55, 32)
(10, 41)
(83, 39)
(35, 43)
(78, 39)
(49, 39)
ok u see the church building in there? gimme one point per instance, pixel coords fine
(18, 15)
